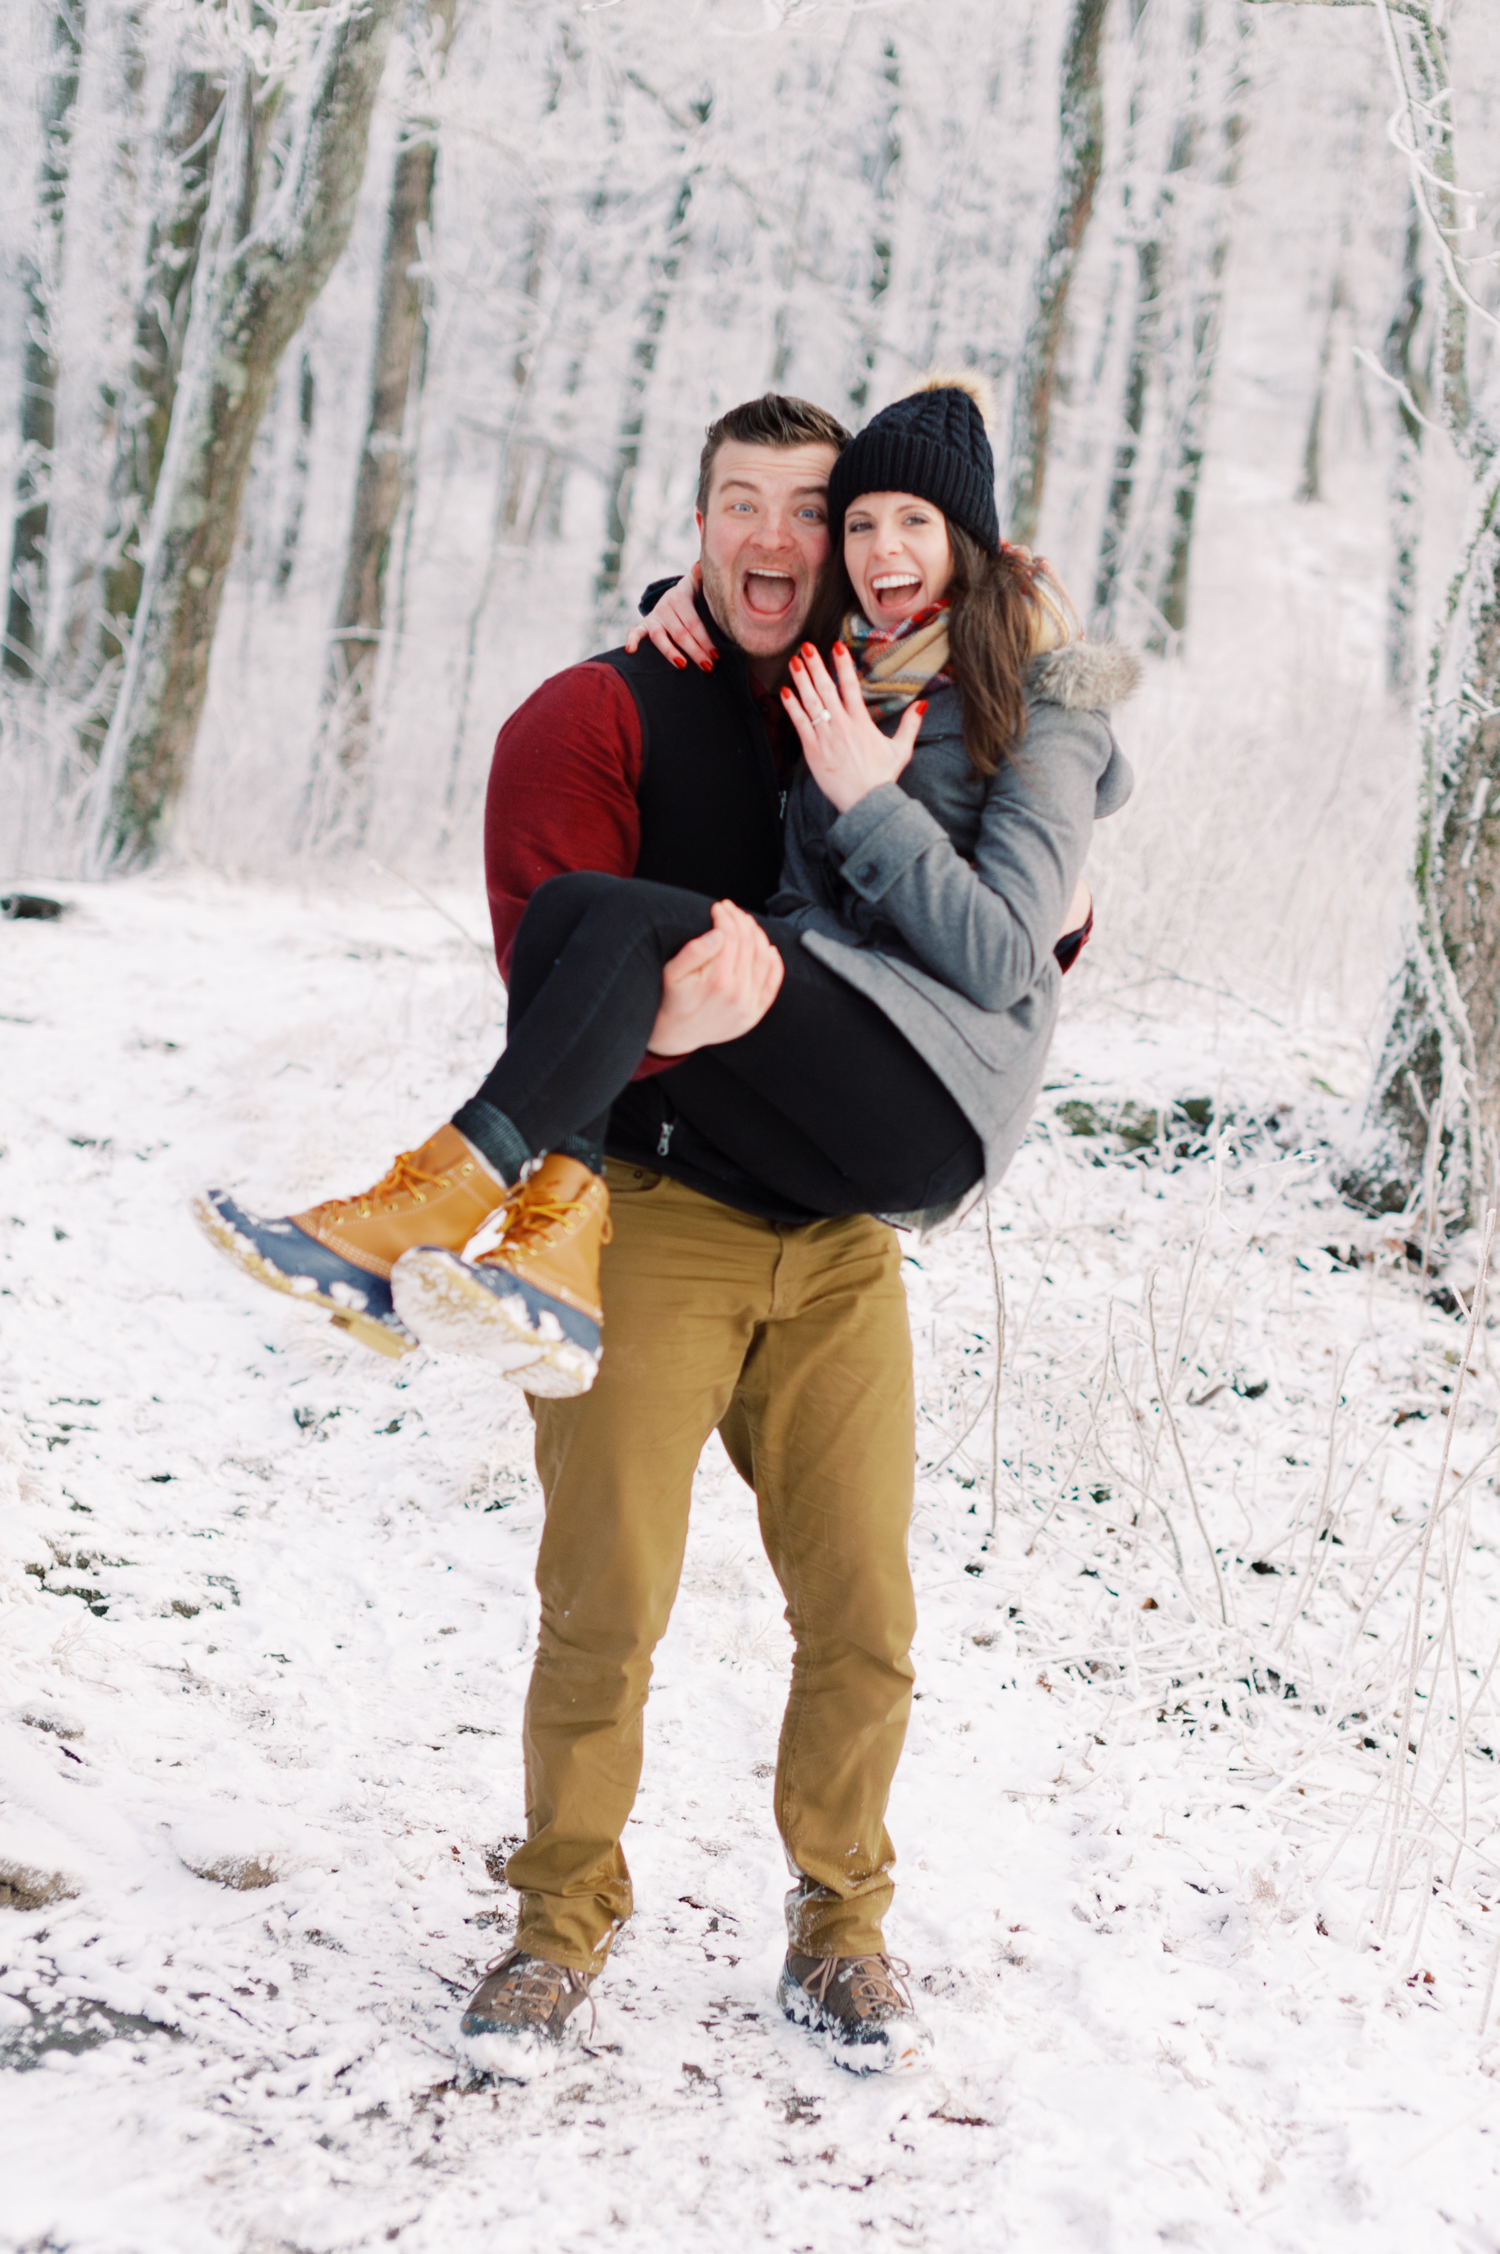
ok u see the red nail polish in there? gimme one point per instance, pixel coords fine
(839, 650)
(922, 704)
(796, 665)
(680, 663)
(706, 663)
(808, 649)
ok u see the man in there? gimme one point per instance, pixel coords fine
(786, 1332)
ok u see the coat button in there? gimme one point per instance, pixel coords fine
(868, 872)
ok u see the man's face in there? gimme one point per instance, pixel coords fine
(764, 540)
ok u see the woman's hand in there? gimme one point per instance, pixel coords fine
(675, 627)
(847, 755)
(716, 987)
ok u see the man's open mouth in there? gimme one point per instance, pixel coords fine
(768, 594)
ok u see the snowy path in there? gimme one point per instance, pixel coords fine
(266, 1612)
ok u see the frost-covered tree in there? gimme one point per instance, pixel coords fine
(662, 267)
(1407, 360)
(1177, 213)
(1436, 1100)
(180, 166)
(1216, 125)
(395, 383)
(1080, 162)
(280, 208)
(40, 275)
(1438, 1085)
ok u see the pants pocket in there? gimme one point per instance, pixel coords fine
(630, 1181)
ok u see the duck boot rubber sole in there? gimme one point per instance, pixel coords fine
(492, 1315)
(278, 1253)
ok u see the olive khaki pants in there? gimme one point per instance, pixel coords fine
(794, 1343)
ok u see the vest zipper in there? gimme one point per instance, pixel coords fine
(664, 1139)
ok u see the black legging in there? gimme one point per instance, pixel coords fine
(824, 1102)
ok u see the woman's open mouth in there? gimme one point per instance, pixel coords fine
(895, 590)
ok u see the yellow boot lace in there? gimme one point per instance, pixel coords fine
(532, 1218)
(406, 1178)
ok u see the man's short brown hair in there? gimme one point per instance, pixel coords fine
(771, 420)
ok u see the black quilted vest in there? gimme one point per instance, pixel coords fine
(711, 803)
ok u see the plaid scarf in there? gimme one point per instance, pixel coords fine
(897, 663)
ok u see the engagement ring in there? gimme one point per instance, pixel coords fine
(817, 718)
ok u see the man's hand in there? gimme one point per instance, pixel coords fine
(675, 627)
(717, 987)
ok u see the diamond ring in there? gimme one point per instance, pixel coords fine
(820, 716)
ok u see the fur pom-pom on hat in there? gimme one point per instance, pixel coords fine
(932, 443)
(978, 387)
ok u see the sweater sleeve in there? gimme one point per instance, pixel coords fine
(562, 792)
(987, 929)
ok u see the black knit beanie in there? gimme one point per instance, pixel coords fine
(933, 444)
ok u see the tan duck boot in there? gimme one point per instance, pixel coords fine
(339, 1255)
(530, 1307)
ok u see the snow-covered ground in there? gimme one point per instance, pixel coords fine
(1193, 1978)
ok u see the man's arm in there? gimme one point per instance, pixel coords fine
(562, 792)
(562, 796)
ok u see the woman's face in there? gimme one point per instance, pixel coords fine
(897, 553)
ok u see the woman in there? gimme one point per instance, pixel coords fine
(910, 983)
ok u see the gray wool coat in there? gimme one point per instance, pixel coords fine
(941, 895)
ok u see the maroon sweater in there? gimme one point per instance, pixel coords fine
(563, 795)
(562, 792)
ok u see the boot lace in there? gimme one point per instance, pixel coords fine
(533, 1987)
(532, 1217)
(875, 1983)
(405, 1177)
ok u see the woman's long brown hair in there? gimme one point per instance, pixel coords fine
(994, 610)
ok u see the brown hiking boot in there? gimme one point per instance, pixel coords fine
(531, 1306)
(860, 2004)
(339, 1255)
(520, 2008)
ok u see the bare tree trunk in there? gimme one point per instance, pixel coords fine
(1081, 159)
(511, 472)
(1146, 540)
(1437, 1088)
(291, 530)
(384, 463)
(255, 284)
(883, 173)
(794, 236)
(511, 468)
(41, 270)
(1413, 372)
(1205, 326)
(143, 417)
(649, 323)
(1120, 505)
(1140, 359)
(1310, 484)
